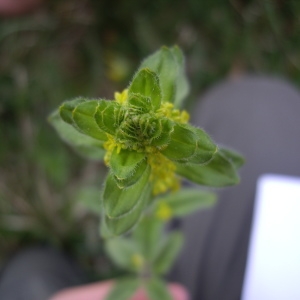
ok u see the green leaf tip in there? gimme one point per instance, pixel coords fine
(168, 64)
(220, 171)
(146, 83)
(84, 145)
(83, 116)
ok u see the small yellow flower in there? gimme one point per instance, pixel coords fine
(164, 211)
(167, 110)
(121, 97)
(163, 174)
(137, 261)
(109, 146)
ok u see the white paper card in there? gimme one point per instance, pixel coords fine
(273, 266)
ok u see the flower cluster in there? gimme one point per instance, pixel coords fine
(147, 141)
(162, 175)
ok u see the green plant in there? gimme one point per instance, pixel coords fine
(149, 146)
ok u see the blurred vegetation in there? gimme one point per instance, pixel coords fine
(91, 47)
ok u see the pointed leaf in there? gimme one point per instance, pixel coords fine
(205, 149)
(234, 157)
(218, 172)
(168, 64)
(118, 202)
(164, 65)
(124, 162)
(66, 109)
(86, 146)
(186, 201)
(168, 252)
(134, 177)
(108, 116)
(157, 290)
(123, 289)
(117, 226)
(162, 137)
(83, 117)
(139, 103)
(146, 83)
(182, 86)
(183, 144)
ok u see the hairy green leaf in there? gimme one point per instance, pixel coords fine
(66, 109)
(141, 104)
(118, 202)
(183, 144)
(168, 64)
(117, 226)
(108, 116)
(146, 83)
(205, 149)
(84, 145)
(182, 86)
(162, 137)
(124, 162)
(83, 117)
(134, 177)
(218, 172)
(234, 157)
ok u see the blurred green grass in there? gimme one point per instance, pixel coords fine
(91, 48)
